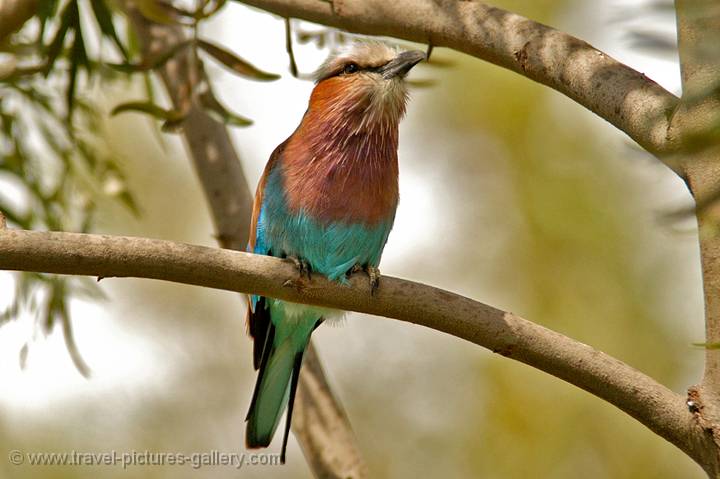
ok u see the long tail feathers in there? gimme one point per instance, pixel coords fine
(271, 394)
(291, 403)
(261, 365)
(275, 388)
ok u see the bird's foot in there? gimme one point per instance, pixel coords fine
(303, 267)
(373, 274)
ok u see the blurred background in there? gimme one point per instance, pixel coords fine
(510, 194)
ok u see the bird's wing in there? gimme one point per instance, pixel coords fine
(258, 317)
(259, 196)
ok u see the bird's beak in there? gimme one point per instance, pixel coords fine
(401, 64)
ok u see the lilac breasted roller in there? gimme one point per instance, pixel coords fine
(326, 201)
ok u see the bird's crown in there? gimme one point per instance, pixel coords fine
(364, 55)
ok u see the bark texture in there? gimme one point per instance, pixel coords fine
(654, 405)
(698, 35)
(626, 98)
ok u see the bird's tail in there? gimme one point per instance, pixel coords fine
(277, 382)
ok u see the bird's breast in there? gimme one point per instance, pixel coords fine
(355, 183)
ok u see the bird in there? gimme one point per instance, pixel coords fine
(326, 202)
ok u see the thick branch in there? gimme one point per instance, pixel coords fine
(652, 404)
(322, 428)
(624, 97)
(698, 34)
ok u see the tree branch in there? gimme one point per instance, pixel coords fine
(624, 97)
(210, 147)
(655, 406)
(329, 446)
(698, 33)
(323, 429)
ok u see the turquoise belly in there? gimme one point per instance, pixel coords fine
(331, 249)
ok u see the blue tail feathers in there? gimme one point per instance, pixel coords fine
(278, 375)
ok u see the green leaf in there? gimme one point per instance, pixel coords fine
(320, 38)
(14, 218)
(421, 83)
(128, 200)
(150, 109)
(218, 111)
(62, 312)
(45, 11)
(151, 62)
(234, 63)
(160, 11)
(69, 14)
(70, 92)
(78, 59)
(133, 43)
(103, 16)
(19, 72)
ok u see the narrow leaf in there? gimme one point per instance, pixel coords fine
(150, 109)
(45, 11)
(70, 344)
(78, 59)
(56, 45)
(151, 62)
(159, 11)
(129, 202)
(103, 16)
(218, 111)
(19, 72)
(422, 83)
(70, 92)
(234, 63)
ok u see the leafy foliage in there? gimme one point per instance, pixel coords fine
(48, 152)
(48, 156)
(199, 92)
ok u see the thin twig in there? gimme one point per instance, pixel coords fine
(289, 48)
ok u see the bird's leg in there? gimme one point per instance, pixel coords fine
(301, 265)
(373, 274)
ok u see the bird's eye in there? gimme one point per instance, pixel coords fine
(350, 68)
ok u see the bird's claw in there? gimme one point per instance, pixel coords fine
(373, 274)
(303, 267)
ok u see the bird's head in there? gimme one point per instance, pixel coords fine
(362, 86)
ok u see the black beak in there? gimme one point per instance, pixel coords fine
(401, 64)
